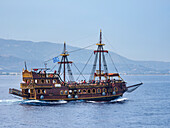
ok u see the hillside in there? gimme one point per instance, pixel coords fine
(13, 53)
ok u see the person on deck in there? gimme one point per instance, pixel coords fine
(84, 81)
(108, 81)
(54, 71)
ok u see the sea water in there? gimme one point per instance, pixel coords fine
(146, 107)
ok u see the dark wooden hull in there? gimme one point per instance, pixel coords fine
(87, 93)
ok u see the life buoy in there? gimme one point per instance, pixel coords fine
(69, 96)
(76, 96)
(103, 93)
(114, 93)
(41, 97)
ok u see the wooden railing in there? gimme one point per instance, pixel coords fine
(17, 92)
(26, 86)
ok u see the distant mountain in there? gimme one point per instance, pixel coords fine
(13, 53)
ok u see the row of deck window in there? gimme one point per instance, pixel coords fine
(41, 91)
(89, 91)
(31, 91)
(45, 81)
(42, 81)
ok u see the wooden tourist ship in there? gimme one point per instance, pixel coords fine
(39, 84)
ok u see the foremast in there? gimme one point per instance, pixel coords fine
(64, 61)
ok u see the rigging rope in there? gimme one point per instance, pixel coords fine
(113, 63)
(79, 72)
(73, 51)
(81, 48)
(85, 66)
(53, 67)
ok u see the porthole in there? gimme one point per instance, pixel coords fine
(38, 90)
(79, 91)
(43, 91)
(84, 90)
(93, 91)
(109, 90)
(88, 91)
(66, 92)
(31, 91)
(48, 81)
(61, 92)
(104, 90)
(42, 81)
(54, 81)
(115, 89)
(98, 90)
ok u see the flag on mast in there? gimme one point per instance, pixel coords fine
(55, 59)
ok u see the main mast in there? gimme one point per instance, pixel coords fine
(99, 73)
(64, 55)
(99, 46)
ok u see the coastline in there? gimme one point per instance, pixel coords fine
(123, 74)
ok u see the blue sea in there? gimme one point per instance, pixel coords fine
(146, 107)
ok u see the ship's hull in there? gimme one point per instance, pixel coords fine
(45, 87)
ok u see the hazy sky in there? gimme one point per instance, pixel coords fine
(136, 29)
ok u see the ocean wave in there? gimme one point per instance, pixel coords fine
(10, 101)
(42, 103)
(119, 100)
(97, 102)
(29, 102)
(48, 103)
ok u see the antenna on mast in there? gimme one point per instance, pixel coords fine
(25, 65)
(45, 64)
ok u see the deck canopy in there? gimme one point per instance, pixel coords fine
(113, 74)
